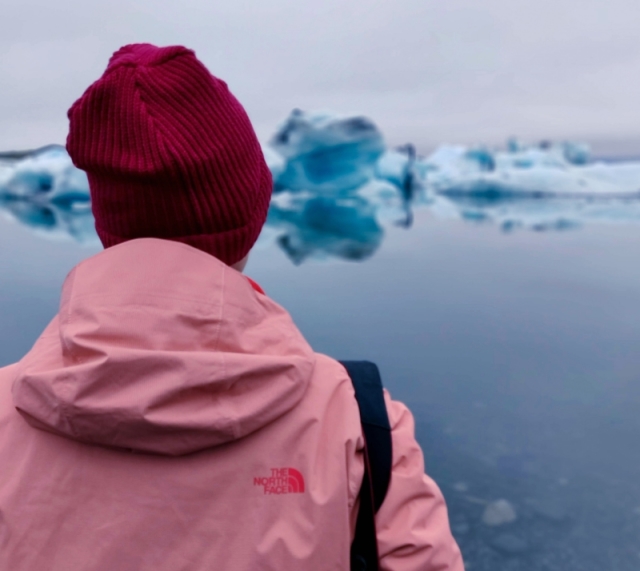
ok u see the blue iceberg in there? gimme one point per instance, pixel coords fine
(326, 153)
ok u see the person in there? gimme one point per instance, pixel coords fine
(171, 416)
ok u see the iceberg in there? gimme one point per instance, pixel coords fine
(405, 170)
(326, 153)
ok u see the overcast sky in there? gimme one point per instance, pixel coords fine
(428, 71)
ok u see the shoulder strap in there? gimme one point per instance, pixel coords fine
(375, 424)
(378, 458)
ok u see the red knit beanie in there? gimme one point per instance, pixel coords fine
(170, 153)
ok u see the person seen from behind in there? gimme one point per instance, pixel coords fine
(171, 416)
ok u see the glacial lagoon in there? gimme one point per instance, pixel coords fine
(498, 291)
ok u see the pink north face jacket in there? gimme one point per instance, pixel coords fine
(172, 418)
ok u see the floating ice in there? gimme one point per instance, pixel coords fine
(336, 186)
(498, 513)
(403, 169)
(43, 190)
(538, 172)
(46, 174)
(545, 187)
(324, 152)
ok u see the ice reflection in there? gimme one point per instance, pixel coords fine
(53, 220)
(319, 226)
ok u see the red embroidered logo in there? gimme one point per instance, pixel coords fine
(281, 481)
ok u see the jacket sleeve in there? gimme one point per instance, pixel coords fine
(412, 523)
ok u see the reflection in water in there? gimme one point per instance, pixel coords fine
(319, 226)
(409, 183)
(336, 186)
(54, 220)
(512, 212)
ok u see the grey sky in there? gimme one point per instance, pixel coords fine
(425, 70)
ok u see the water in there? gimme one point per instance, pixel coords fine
(516, 352)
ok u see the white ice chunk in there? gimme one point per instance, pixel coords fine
(45, 174)
(498, 513)
(393, 166)
(384, 199)
(402, 167)
(552, 170)
(275, 161)
(43, 190)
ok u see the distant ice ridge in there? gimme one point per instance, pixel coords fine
(336, 185)
(562, 169)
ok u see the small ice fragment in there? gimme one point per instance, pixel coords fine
(498, 513)
(391, 166)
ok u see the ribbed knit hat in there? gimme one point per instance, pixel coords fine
(169, 153)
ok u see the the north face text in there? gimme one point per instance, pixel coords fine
(281, 481)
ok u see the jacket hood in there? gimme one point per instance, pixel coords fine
(159, 347)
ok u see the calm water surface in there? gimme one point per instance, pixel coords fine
(518, 354)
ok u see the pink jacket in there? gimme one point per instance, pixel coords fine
(172, 418)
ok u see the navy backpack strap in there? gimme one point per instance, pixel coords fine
(375, 424)
(378, 457)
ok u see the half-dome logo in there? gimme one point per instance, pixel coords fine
(281, 481)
